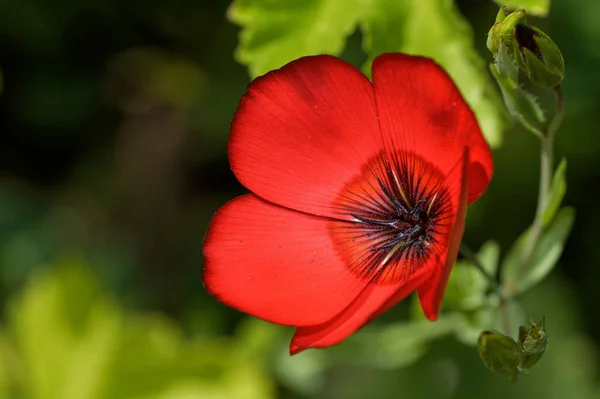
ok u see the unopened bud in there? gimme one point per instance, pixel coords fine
(502, 32)
(533, 342)
(539, 57)
(531, 49)
(500, 353)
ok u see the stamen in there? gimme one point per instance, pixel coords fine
(391, 253)
(431, 203)
(402, 194)
(379, 222)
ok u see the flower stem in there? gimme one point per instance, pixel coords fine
(504, 298)
(546, 172)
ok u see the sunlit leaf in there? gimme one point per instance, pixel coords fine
(276, 32)
(435, 28)
(72, 342)
(557, 192)
(63, 328)
(518, 276)
(534, 7)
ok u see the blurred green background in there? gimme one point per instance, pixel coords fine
(114, 118)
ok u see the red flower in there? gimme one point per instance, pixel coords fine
(359, 194)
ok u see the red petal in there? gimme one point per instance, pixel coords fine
(431, 293)
(357, 314)
(301, 132)
(421, 110)
(276, 264)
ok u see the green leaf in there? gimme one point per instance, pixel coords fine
(63, 329)
(557, 192)
(395, 345)
(545, 255)
(467, 286)
(435, 28)
(533, 7)
(489, 255)
(277, 32)
(70, 341)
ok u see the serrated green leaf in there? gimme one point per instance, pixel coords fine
(557, 192)
(277, 32)
(521, 104)
(533, 7)
(545, 255)
(435, 28)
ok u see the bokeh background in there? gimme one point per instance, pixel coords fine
(114, 118)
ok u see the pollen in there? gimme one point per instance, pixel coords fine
(393, 217)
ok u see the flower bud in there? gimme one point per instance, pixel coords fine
(531, 49)
(500, 353)
(533, 342)
(539, 57)
(503, 29)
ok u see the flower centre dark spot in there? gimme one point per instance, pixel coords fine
(400, 215)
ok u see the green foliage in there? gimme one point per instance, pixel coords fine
(396, 345)
(65, 338)
(275, 33)
(557, 192)
(467, 287)
(468, 297)
(518, 276)
(533, 7)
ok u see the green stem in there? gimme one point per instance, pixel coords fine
(504, 298)
(546, 172)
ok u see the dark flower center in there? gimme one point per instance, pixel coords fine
(400, 216)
